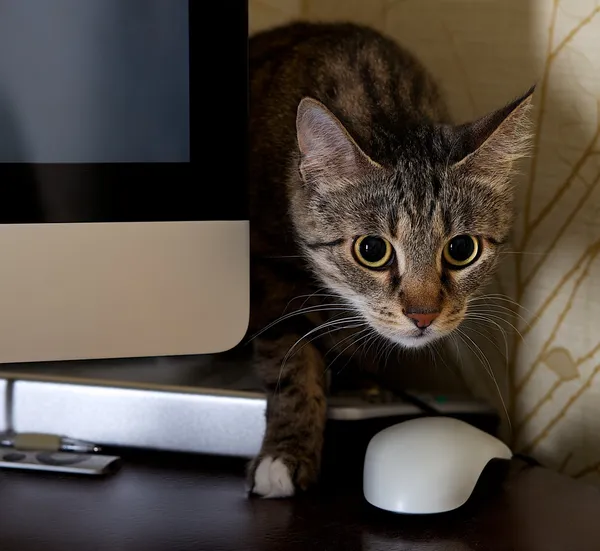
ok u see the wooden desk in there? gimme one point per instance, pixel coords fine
(183, 503)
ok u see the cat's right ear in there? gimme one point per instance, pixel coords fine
(488, 147)
(329, 157)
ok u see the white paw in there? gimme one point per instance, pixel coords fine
(272, 479)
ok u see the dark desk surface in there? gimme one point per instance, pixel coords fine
(170, 503)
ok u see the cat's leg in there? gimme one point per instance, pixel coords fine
(290, 456)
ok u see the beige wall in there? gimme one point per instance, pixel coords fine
(484, 52)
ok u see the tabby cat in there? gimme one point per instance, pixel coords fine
(370, 212)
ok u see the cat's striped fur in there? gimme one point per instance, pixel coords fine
(349, 136)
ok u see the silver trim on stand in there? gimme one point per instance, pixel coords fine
(197, 404)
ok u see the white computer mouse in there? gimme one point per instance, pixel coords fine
(427, 465)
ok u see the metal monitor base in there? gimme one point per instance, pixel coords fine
(198, 404)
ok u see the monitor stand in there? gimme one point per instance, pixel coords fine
(198, 404)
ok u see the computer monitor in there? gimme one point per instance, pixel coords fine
(123, 219)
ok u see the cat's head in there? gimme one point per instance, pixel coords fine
(408, 243)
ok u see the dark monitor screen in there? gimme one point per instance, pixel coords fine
(118, 111)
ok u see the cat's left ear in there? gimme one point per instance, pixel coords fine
(329, 157)
(488, 148)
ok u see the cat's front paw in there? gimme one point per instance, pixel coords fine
(280, 476)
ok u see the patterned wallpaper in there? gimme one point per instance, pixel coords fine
(485, 52)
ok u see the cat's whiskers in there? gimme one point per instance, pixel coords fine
(390, 347)
(434, 346)
(494, 344)
(285, 256)
(430, 349)
(332, 325)
(339, 300)
(359, 336)
(479, 354)
(488, 303)
(381, 349)
(454, 337)
(501, 297)
(482, 319)
(524, 252)
(308, 310)
(326, 325)
(316, 294)
(513, 307)
(476, 349)
(482, 315)
(485, 316)
(506, 354)
(373, 336)
(371, 343)
(341, 342)
(497, 312)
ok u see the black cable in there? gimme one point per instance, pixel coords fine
(424, 406)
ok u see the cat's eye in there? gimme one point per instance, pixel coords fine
(373, 252)
(461, 251)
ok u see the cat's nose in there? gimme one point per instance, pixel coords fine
(420, 319)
